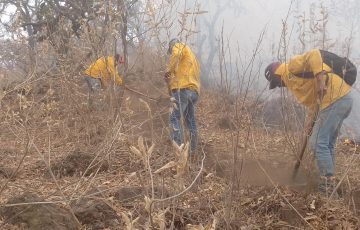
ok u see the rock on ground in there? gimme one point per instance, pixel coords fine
(78, 163)
(38, 216)
(96, 214)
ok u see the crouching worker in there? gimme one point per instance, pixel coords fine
(321, 81)
(101, 73)
(183, 80)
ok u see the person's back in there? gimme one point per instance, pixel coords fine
(101, 74)
(104, 70)
(186, 68)
(183, 78)
(329, 101)
(303, 87)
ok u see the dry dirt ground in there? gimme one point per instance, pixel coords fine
(66, 164)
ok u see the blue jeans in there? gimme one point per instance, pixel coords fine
(326, 130)
(185, 100)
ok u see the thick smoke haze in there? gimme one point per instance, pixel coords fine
(240, 24)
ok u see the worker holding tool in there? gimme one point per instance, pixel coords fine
(315, 80)
(102, 71)
(183, 80)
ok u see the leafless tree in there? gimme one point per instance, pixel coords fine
(207, 43)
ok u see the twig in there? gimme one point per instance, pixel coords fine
(186, 189)
(18, 167)
(351, 161)
(276, 187)
(118, 128)
(57, 185)
(351, 195)
(139, 93)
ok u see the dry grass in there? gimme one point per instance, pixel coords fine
(263, 196)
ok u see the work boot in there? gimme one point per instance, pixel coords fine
(327, 185)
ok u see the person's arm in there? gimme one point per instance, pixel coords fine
(113, 71)
(309, 62)
(118, 79)
(175, 58)
(321, 85)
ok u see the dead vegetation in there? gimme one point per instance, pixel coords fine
(71, 163)
(114, 189)
(36, 213)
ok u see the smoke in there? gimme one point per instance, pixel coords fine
(351, 126)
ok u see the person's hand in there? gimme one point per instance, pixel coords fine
(321, 84)
(167, 77)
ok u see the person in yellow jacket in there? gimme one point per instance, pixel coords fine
(102, 72)
(324, 92)
(183, 80)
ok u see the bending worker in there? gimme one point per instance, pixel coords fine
(101, 72)
(316, 81)
(183, 79)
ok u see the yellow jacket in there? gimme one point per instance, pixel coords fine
(184, 68)
(304, 89)
(104, 70)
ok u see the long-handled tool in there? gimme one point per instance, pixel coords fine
(160, 101)
(139, 93)
(321, 91)
(303, 148)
